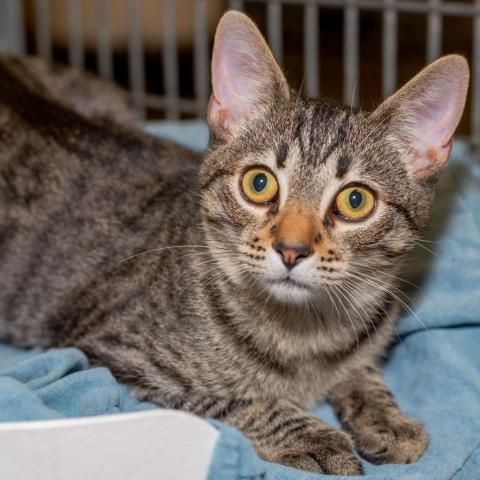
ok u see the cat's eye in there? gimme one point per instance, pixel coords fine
(355, 203)
(259, 185)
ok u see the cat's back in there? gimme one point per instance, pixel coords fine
(77, 195)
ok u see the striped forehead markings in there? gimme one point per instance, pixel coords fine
(317, 128)
(343, 164)
(339, 139)
(282, 153)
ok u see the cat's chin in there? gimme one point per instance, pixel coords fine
(290, 291)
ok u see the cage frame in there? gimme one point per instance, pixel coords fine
(12, 40)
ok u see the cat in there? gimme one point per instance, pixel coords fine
(249, 285)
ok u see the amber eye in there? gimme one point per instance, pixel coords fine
(355, 203)
(259, 185)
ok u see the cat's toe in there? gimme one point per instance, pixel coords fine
(329, 454)
(333, 463)
(401, 441)
(342, 464)
(299, 460)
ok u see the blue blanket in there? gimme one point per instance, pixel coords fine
(433, 369)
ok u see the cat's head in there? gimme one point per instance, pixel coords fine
(299, 194)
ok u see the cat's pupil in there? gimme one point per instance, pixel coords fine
(355, 199)
(259, 182)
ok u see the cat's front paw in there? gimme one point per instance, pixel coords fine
(326, 452)
(392, 440)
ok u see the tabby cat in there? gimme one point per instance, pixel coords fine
(246, 286)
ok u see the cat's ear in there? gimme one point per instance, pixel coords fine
(424, 114)
(246, 79)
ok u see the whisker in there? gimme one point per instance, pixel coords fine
(212, 284)
(386, 290)
(350, 301)
(265, 304)
(376, 269)
(333, 304)
(160, 249)
(359, 304)
(428, 250)
(370, 277)
(379, 304)
(425, 240)
(316, 314)
(346, 311)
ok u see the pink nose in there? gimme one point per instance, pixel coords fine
(292, 254)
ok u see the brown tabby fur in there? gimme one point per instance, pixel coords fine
(192, 325)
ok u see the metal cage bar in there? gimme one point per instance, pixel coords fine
(135, 56)
(274, 28)
(75, 38)
(236, 5)
(311, 49)
(200, 56)
(43, 37)
(408, 6)
(350, 53)
(434, 31)
(12, 29)
(170, 58)
(104, 48)
(389, 48)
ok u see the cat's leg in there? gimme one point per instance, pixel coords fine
(280, 431)
(367, 409)
(283, 433)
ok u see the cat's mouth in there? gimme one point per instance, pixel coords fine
(290, 290)
(290, 282)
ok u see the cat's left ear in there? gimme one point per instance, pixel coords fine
(246, 79)
(424, 114)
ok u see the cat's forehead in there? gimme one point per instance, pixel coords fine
(316, 131)
(319, 128)
(317, 146)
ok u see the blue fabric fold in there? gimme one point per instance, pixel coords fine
(433, 369)
(58, 383)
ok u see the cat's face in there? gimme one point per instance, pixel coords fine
(309, 203)
(301, 195)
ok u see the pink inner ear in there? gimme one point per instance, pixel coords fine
(433, 120)
(425, 112)
(426, 164)
(245, 76)
(236, 79)
(237, 72)
(219, 117)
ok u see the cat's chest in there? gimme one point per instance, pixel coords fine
(304, 382)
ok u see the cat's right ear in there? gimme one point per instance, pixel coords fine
(423, 115)
(246, 79)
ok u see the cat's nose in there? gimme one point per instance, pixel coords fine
(292, 254)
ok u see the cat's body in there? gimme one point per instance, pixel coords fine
(191, 325)
(70, 220)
